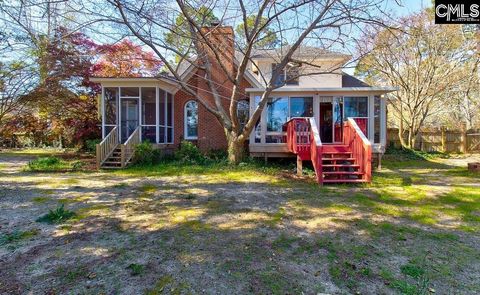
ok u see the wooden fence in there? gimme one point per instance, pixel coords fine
(441, 140)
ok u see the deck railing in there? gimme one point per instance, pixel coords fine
(128, 148)
(316, 150)
(360, 146)
(298, 137)
(106, 147)
(303, 139)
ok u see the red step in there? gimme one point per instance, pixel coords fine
(342, 173)
(341, 165)
(343, 180)
(338, 159)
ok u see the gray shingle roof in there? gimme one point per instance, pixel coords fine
(351, 81)
(301, 52)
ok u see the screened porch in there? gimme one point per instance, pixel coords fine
(148, 109)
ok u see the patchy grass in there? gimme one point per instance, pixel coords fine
(17, 236)
(59, 215)
(52, 164)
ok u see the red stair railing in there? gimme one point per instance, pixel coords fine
(303, 140)
(360, 146)
(316, 150)
(298, 137)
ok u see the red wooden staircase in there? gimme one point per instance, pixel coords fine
(348, 162)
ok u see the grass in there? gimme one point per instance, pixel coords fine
(136, 269)
(59, 215)
(52, 164)
(250, 229)
(16, 236)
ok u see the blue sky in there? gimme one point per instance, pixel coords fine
(412, 6)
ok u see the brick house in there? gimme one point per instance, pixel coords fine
(330, 108)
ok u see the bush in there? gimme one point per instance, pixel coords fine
(189, 153)
(145, 153)
(91, 145)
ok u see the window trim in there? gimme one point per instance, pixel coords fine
(185, 125)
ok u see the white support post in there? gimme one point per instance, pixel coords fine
(157, 116)
(316, 109)
(383, 121)
(140, 113)
(102, 111)
(119, 116)
(371, 118)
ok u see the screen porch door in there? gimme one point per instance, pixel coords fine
(129, 117)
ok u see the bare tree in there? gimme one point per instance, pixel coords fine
(328, 24)
(16, 81)
(427, 62)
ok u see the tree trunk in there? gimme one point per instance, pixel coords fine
(235, 150)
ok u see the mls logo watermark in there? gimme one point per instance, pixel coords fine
(457, 12)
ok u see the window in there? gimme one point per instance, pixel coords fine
(288, 76)
(243, 111)
(355, 107)
(301, 107)
(191, 120)
(277, 113)
(110, 106)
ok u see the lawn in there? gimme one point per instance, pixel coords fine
(214, 229)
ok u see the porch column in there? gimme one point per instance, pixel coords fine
(102, 111)
(157, 116)
(371, 118)
(316, 109)
(383, 121)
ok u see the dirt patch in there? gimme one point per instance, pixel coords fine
(180, 234)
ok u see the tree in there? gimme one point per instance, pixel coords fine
(125, 59)
(324, 23)
(427, 62)
(15, 84)
(268, 37)
(179, 35)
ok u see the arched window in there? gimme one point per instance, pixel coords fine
(191, 120)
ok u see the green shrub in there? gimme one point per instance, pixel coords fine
(145, 153)
(91, 145)
(189, 153)
(217, 155)
(58, 215)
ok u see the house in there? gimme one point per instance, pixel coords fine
(332, 119)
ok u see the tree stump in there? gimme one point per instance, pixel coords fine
(474, 167)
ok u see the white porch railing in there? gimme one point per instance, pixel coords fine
(106, 147)
(128, 148)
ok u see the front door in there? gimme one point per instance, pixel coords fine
(129, 117)
(326, 119)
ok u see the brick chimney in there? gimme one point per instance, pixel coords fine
(221, 38)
